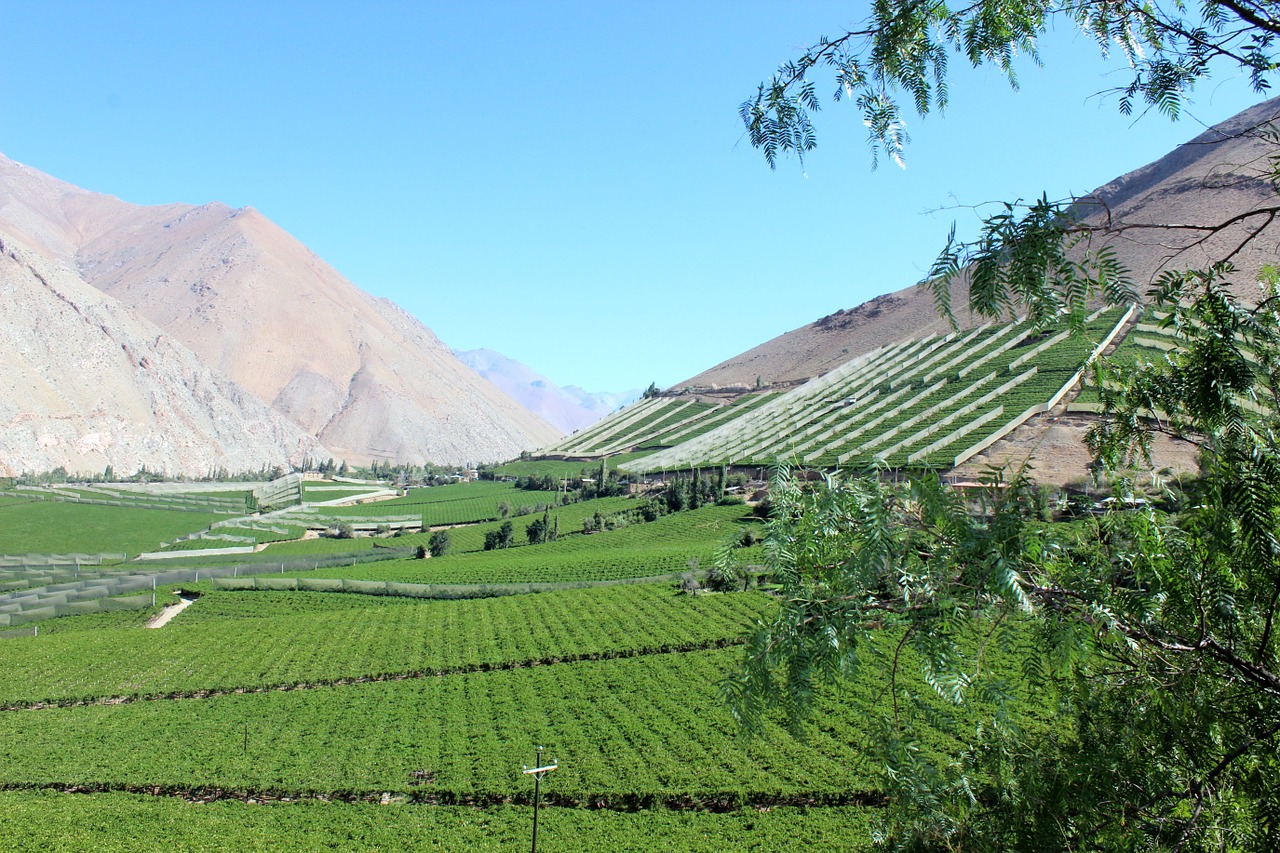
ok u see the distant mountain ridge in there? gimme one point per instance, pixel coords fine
(258, 310)
(568, 408)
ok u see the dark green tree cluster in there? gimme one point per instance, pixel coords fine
(544, 529)
(503, 537)
(439, 543)
(699, 488)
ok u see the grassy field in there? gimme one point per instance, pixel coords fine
(56, 527)
(331, 720)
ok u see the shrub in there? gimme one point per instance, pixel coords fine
(439, 543)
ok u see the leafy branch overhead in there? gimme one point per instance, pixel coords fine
(900, 56)
(1111, 682)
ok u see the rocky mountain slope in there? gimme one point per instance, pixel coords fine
(359, 375)
(567, 408)
(1222, 175)
(84, 383)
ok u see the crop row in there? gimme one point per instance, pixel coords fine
(635, 729)
(660, 417)
(614, 424)
(560, 468)
(292, 645)
(653, 434)
(49, 820)
(724, 414)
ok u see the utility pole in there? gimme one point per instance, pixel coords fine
(537, 772)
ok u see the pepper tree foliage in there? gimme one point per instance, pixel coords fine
(904, 49)
(1111, 684)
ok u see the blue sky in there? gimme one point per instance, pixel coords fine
(565, 182)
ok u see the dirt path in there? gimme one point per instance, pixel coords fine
(164, 616)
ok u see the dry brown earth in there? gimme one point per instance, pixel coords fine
(84, 383)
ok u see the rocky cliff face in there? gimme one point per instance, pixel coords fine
(256, 308)
(85, 384)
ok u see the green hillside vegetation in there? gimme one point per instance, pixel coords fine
(559, 468)
(930, 402)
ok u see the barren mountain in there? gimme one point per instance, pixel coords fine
(1221, 176)
(84, 383)
(357, 373)
(567, 408)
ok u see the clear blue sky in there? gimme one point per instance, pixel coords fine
(565, 182)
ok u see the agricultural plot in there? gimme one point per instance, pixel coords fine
(136, 498)
(705, 423)
(561, 468)
(39, 593)
(470, 535)
(579, 442)
(928, 402)
(656, 423)
(568, 519)
(640, 425)
(634, 730)
(318, 491)
(661, 547)
(278, 639)
(342, 701)
(47, 820)
(1150, 342)
(463, 503)
(44, 526)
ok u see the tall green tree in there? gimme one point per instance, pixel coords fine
(1147, 634)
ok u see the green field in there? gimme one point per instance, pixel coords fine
(57, 527)
(319, 706)
(116, 822)
(660, 547)
(559, 468)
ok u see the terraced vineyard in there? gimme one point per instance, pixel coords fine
(654, 423)
(931, 402)
(1149, 343)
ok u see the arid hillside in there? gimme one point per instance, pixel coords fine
(85, 383)
(1221, 177)
(362, 377)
